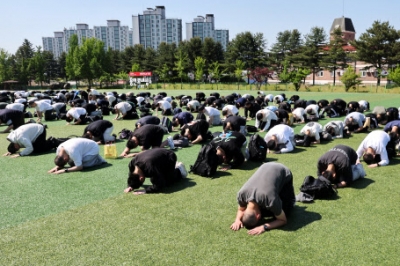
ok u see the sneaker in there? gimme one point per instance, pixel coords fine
(182, 169)
(246, 154)
(171, 143)
(32, 121)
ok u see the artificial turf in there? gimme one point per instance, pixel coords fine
(84, 218)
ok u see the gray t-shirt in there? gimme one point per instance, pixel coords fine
(264, 187)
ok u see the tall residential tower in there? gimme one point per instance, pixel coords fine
(152, 27)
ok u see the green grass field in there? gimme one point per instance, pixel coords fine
(84, 218)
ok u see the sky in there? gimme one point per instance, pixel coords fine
(32, 20)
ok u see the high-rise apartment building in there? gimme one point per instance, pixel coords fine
(113, 35)
(152, 27)
(204, 27)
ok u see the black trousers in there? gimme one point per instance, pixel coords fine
(41, 145)
(49, 115)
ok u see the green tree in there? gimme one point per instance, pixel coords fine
(239, 67)
(150, 60)
(5, 66)
(136, 67)
(194, 48)
(71, 62)
(379, 46)
(215, 72)
(287, 43)
(166, 55)
(394, 75)
(310, 55)
(37, 66)
(138, 55)
(62, 61)
(335, 57)
(199, 64)
(164, 73)
(350, 79)
(180, 63)
(22, 57)
(295, 76)
(126, 59)
(248, 48)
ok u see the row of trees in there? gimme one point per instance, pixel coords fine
(290, 59)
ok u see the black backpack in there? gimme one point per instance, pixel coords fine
(125, 134)
(320, 188)
(207, 161)
(257, 148)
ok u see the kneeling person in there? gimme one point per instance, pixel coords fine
(269, 191)
(147, 136)
(230, 149)
(280, 139)
(79, 153)
(99, 131)
(160, 165)
(338, 165)
(31, 136)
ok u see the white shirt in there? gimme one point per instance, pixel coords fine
(58, 106)
(267, 117)
(20, 100)
(168, 99)
(123, 107)
(43, 106)
(76, 112)
(298, 113)
(15, 106)
(78, 148)
(363, 103)
(110, 98)
(358, 118)
(164, 105)
(377, 140)
(269, 98)
(25, 135)
(338, 126)
(139, 100)
(278, 98)
(314, 108)
(193, 104)
(211, 111)
(231, 109)
(94, 92)
(283, 134)
(314, 127)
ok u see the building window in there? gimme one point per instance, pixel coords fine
(320, 73)
(363, 73)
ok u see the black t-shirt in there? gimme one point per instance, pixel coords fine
(149, 135)
(235, 121)
(15, 116)
(158, 164)
(199, 127)
(231, 143)
(98, 127)
(282, 114)
(342, 157)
